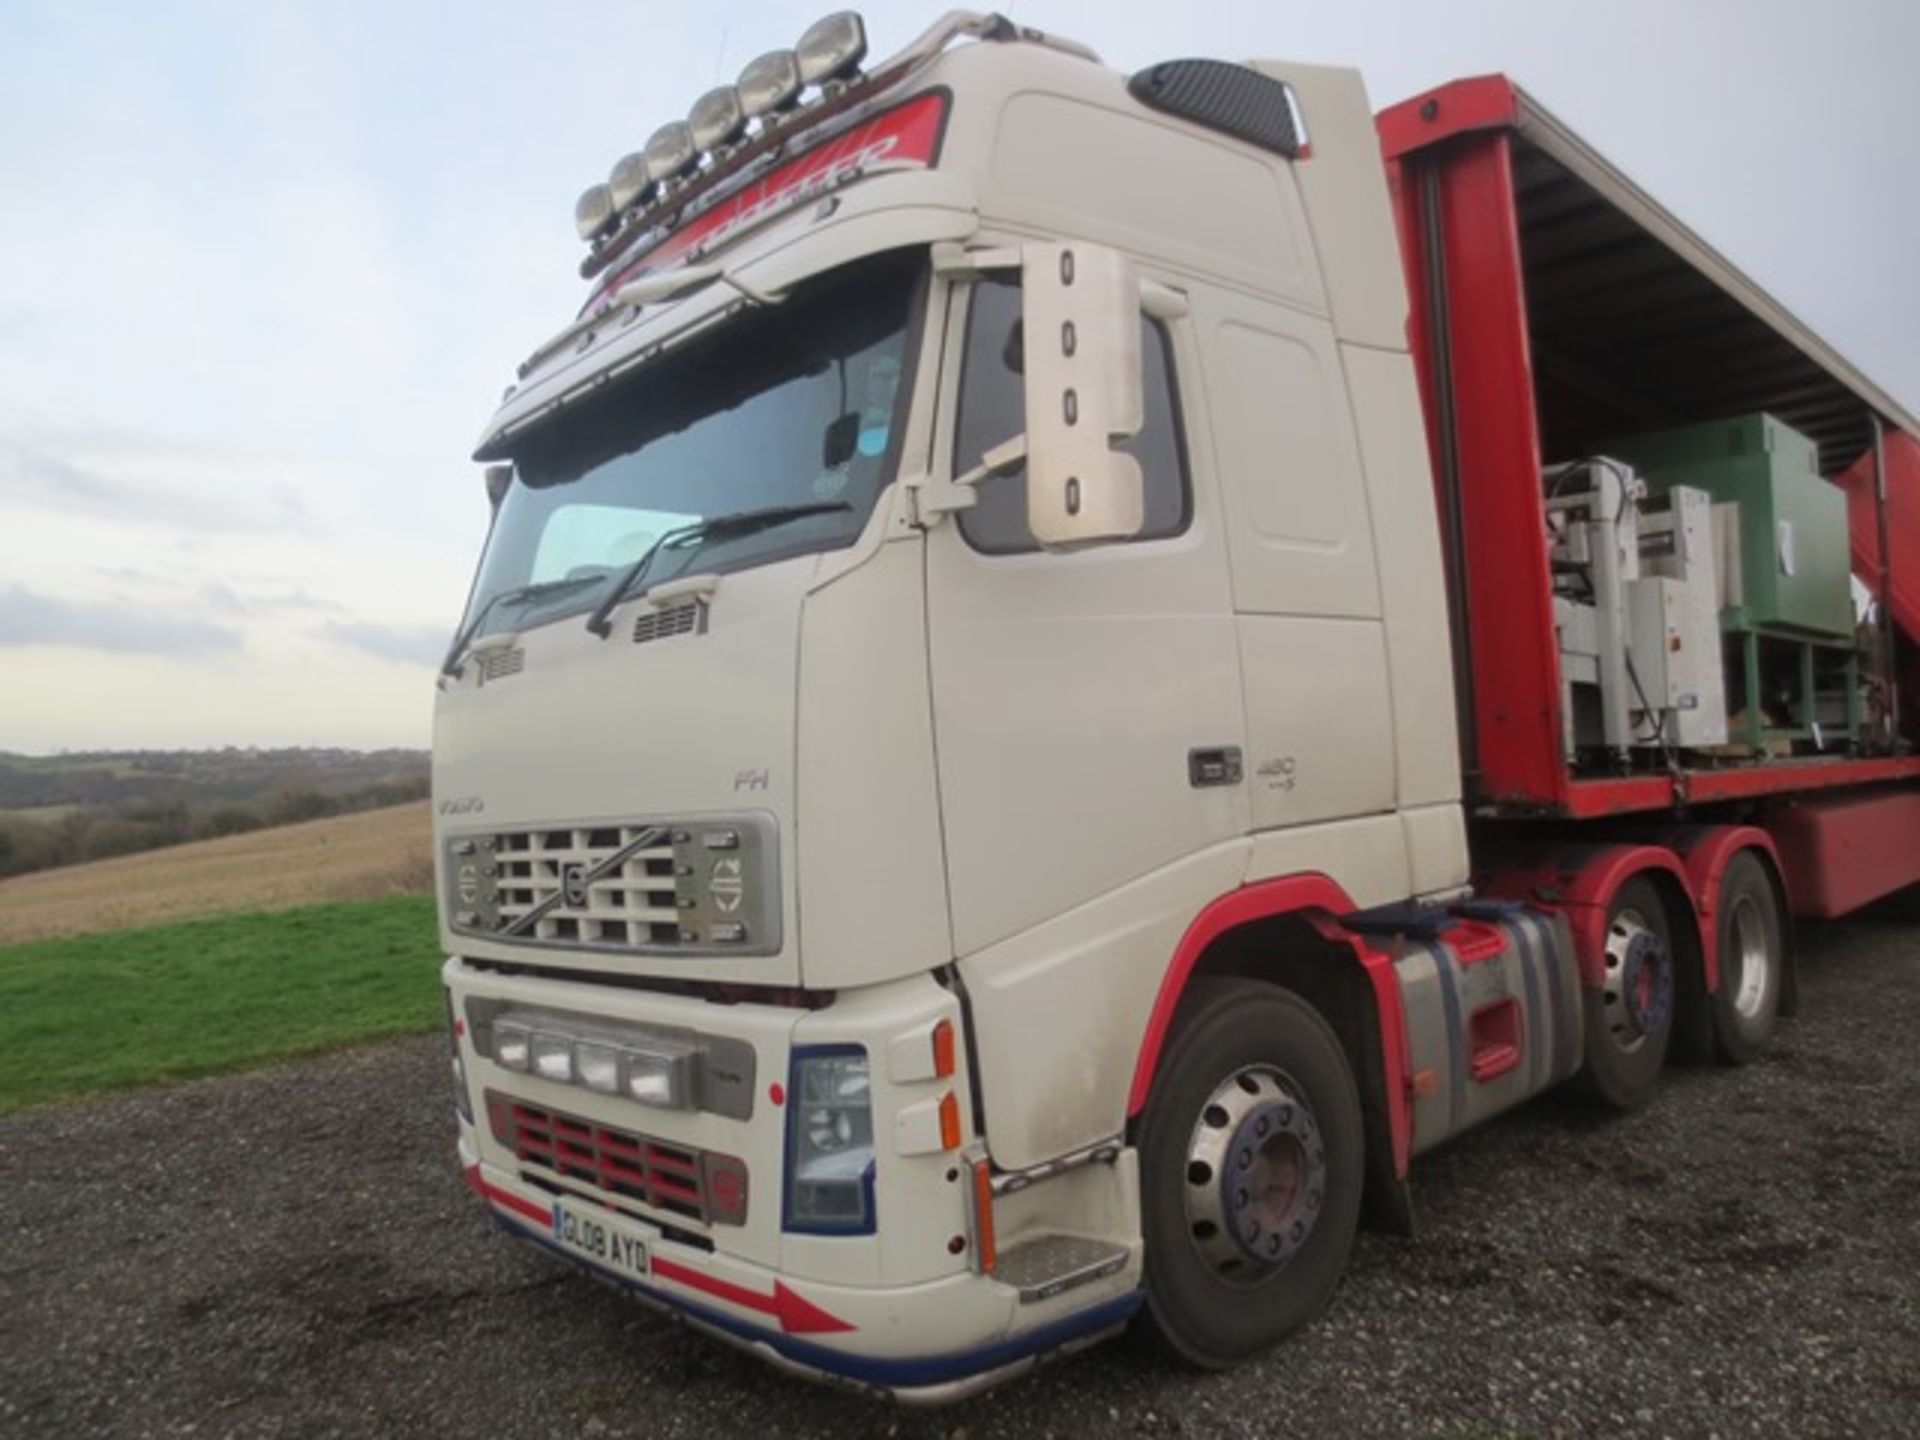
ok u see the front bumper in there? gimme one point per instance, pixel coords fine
(927, 1344)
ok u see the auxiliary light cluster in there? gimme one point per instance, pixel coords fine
(767, 92)
(654, 1072)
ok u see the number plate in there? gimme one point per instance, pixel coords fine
(593, 1234)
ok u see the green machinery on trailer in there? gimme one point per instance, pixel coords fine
(1786, 584)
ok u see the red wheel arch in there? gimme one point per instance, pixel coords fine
(1706, 851)
(1319, 901)
(1580, 880)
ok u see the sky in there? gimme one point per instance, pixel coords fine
(265, 269)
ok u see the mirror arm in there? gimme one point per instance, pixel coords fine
(1007, 455)
(1163, 302)
(934, 498)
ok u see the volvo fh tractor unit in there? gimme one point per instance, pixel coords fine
(1072, 668)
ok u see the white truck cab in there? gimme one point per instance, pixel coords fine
(975, 549)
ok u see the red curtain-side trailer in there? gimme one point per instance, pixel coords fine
(1554, 304)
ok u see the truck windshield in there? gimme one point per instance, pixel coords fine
(795, 404)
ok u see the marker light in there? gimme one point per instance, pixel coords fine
(593, 211)
(831, 48)
(769, 83)
(630, 179)
(716, 118)
(671, 151)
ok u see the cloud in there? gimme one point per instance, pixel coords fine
(116, 476)
(296, 598)
(220, 598)
(28, 618)
(407, 644)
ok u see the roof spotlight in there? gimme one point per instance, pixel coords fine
(593, 211)
(770, 83)
(671, 151)
(832, 48)
(716, 118)
(630, 179)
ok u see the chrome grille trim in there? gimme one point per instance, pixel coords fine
(688, 887)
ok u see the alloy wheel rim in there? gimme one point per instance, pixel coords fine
(1256, 1176)
(1637, 986)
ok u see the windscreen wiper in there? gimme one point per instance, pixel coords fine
(740, 522)
(519, 595)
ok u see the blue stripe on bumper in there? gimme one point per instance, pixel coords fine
(902, 1374)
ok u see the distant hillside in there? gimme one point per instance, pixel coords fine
(68, 809)
(347, 857)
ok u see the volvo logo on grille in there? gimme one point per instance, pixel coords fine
(573, 883)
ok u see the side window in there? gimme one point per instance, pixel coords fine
(993, 408)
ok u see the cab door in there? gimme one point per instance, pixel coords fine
(1087, 706)
(1306, 588)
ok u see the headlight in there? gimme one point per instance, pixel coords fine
(831, 48)
(593, 212)
(512, 1045)
(670, 152)
(716, 118)
(830, 1142)
(598, 1066)
(553, 1057)
(629, 180)
(769, 83)
(660, 1073)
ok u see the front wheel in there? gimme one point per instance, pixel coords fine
(1251, 1162)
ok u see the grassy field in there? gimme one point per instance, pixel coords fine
(373, 853)
(92, 1013)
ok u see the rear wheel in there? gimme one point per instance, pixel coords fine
(1751, 945)
(1629, 1019)
(1251, 1162)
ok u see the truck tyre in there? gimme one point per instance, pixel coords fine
(1751, 944)
(1629, 1019)
(1251, 1159)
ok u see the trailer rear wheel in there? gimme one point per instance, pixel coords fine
(1751, 945)
(1251, 1157)
(1629, 1019)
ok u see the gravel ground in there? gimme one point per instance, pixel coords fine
(292, 1253)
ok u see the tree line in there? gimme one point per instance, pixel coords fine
(97, 832)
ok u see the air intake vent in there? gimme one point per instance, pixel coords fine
(1232, 99)
(688, 618)
(499, 664)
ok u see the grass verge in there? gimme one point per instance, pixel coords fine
(94, 1013)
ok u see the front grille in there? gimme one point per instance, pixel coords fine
(635, 903)
(705, 887)
(680, 1180)
(682, 619)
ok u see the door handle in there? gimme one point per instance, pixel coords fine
(1214, 765)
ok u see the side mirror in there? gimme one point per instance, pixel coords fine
(1081, 314)
(499, 477)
